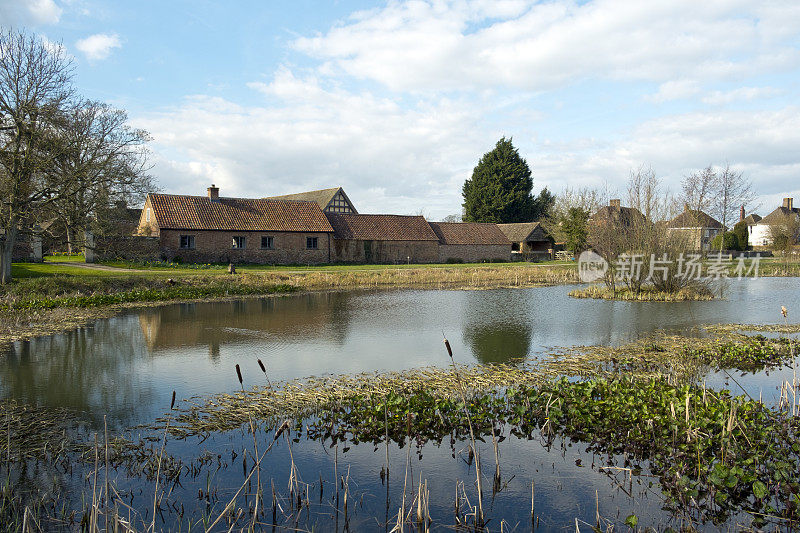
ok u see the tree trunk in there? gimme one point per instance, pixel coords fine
(6, 252)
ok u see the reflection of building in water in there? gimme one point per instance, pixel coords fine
(498, 330)
(280, 320)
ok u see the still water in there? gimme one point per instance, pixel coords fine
(125, 368)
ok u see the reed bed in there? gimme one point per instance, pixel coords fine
(645, 295)
(680, 358)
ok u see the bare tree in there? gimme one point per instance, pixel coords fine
(34, 87)
(698, 188)
(103, 161)
(785, 233)
(733, 191)
(719, 192)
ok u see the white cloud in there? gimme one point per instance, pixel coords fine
(99, 46)
(453, 45)
(742, 93)
(762, 144)
(674, 90)
(388, 158)
(29, 12)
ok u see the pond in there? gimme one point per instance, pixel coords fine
(125, 368)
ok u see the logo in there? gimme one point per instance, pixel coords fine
(591, 266)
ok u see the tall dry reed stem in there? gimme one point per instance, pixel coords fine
(160, 457)
(257, 466)
(479, 520)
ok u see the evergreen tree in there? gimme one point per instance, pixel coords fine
(500, 188)
(575, 227)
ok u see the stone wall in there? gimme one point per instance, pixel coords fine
(217, 247)
(474, 253)
(109, 248)
(390, 252)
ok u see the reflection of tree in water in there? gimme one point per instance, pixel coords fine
(89, 370)
(497, 327)
(215, 324)
(496, 342)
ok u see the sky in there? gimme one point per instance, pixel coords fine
(397, 101)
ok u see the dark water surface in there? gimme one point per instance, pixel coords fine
(126, 368)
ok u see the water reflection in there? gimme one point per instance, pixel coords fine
(126, 367)
(498, 330)
(91, 370)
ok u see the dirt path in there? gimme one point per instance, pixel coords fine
(92, 266)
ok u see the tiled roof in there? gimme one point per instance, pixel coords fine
(237, 214)
(624, 216)
(469, 233)
(381, 227)
(693, 218)
(752, 219)
(523, 231)
(322, 197)
(779, 215)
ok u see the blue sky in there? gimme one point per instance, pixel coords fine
(396, 101)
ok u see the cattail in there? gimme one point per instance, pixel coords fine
(172, 404)
(239, 374)
(449, 349)
(263, 368)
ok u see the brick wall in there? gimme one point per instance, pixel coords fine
(474, 253)
(391, 252)
(217, 247)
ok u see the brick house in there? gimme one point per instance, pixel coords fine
(214, 229)
(696, 228)
(471, 242)
(382, 239)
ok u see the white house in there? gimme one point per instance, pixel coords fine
(759, 232)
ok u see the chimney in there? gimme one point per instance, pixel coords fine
(213, 193)
(615, 203)
(741, 213)
(787, 203)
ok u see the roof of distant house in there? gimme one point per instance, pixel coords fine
(779, 215)
(469, 233)
(523, 231)
(694, 218)
(322, 197)
(381, 227)
(618, 215)
(752, 219)
(237, 214)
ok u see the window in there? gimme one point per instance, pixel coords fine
(311, 243)
(267, 243)
(239, 242)
(187, 242)
(147, 215)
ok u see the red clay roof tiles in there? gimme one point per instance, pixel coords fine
(469, 233)
(237, 214)
(381, 227)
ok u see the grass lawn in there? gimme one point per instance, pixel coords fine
(75, 258)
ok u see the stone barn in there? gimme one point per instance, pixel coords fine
(471, 242)
(382, 239)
